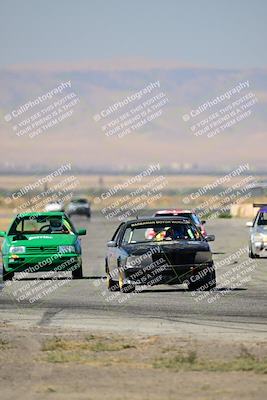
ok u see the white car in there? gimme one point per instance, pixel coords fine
(258, 233)
(54, 206)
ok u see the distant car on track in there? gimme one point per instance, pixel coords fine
(258, 233)
(181, 255)
(79, 207)
(54, 206)
(45, 241)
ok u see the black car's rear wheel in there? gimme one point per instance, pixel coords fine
(125, 288)
(211, 280)
(208, 282)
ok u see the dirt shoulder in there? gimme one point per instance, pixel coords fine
(50, 363)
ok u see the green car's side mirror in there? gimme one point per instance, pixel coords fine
(2, 234)
(81, 232)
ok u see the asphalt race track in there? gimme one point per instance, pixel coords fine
(236, 308)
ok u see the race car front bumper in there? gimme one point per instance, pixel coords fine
(259, 248)
(165, 274)
(39, 263)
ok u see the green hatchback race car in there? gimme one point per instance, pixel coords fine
(41, 241)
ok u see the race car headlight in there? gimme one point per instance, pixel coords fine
(17, 249)
(66, 249)
(258, 239)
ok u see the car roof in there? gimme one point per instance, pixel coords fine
(263, 209)
(174, 211)
(43, 213)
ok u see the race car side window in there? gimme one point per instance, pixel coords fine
(256, 219)
(127, 235)
(195, 219)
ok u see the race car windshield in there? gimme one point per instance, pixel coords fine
(262, 218)
(28, 225)
(80, 201)
(163, 231)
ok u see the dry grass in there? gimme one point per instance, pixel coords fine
(47, 362)
(61, 350)
(4, 344)
(191, 362)
(97, 350)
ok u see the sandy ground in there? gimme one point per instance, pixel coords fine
(42, 363)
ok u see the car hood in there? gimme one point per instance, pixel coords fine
(175, 253)
(42, 240)
(262, 229)
(181, 245)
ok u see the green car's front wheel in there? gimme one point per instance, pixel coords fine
(7, 276)
(77, 273)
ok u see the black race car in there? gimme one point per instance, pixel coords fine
(79, 207)
(176, 254)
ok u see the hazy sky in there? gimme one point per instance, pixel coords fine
(221, 33)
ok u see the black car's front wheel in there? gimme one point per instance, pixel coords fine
(113, 286)
(124, 287)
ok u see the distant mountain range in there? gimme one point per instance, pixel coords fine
(167, 139)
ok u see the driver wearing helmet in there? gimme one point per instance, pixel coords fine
(159, 233)
(177, 233)
(56, 226)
